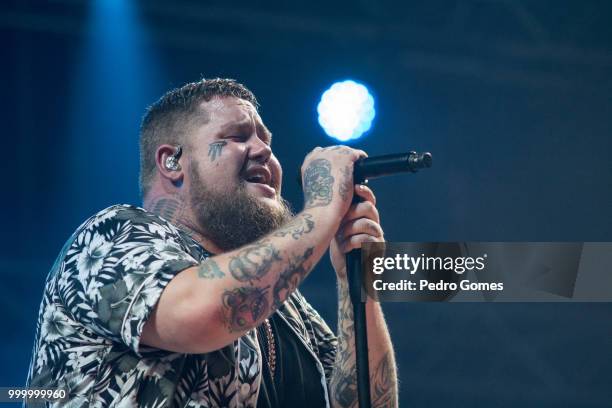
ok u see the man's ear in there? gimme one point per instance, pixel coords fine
(168, 160)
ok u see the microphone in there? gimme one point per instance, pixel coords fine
(379, 166)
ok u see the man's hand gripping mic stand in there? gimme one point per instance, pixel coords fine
(365, 169)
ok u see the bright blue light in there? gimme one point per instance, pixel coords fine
(346, 110)
(117, 73)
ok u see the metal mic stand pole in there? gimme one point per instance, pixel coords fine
(355, 282)
(364, 169)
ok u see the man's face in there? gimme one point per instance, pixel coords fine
(234, 178)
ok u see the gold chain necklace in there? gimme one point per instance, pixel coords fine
(270, 346)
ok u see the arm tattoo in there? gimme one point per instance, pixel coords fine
(254, 261)
(318, 183)
(291, 277)
(343, 384)
(243, 307)
(210, 270)
(382, 383)
(297, 227)
(345, 184)
(215, 149)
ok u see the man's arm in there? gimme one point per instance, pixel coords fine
(383, 374)
(207, 307)
(361, 224)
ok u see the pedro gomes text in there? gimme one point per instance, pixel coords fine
(413, 264)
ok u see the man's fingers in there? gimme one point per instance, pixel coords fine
(363, 209)
(365, 192)
(361, 223)
(355, 241)
(361, 226)
(361, 153)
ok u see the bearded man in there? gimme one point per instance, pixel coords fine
(192, 301)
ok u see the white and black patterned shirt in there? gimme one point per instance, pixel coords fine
(100, 292)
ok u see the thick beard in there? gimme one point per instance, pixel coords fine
(233, 219)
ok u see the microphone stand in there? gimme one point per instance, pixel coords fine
(363, 170)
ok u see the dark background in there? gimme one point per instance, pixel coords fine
(513, 98)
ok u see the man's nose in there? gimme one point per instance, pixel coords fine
(259, 150)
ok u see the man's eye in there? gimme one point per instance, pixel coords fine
(237, 138)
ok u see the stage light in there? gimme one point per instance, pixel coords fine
(346, 110)
(117, 73)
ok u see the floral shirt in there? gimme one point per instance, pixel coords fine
(98, 295)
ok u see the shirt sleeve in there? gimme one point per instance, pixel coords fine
(116, 268)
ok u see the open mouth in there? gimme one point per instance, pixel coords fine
(262, 178)
(257, 178)
(259, 175)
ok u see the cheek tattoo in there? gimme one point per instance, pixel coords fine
(215, 149)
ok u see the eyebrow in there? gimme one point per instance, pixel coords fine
(243, 125)
(247, 125)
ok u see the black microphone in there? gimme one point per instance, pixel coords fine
(379, 166)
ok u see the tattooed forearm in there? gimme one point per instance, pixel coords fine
(343, 384)
(345, 184)
(254, 261)
(291, 277)
(215, 149)
(210, 270)
(383, 384)
(318, 183)
(243, 307)
(298, 226)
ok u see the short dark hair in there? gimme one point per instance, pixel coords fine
(169, 119)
